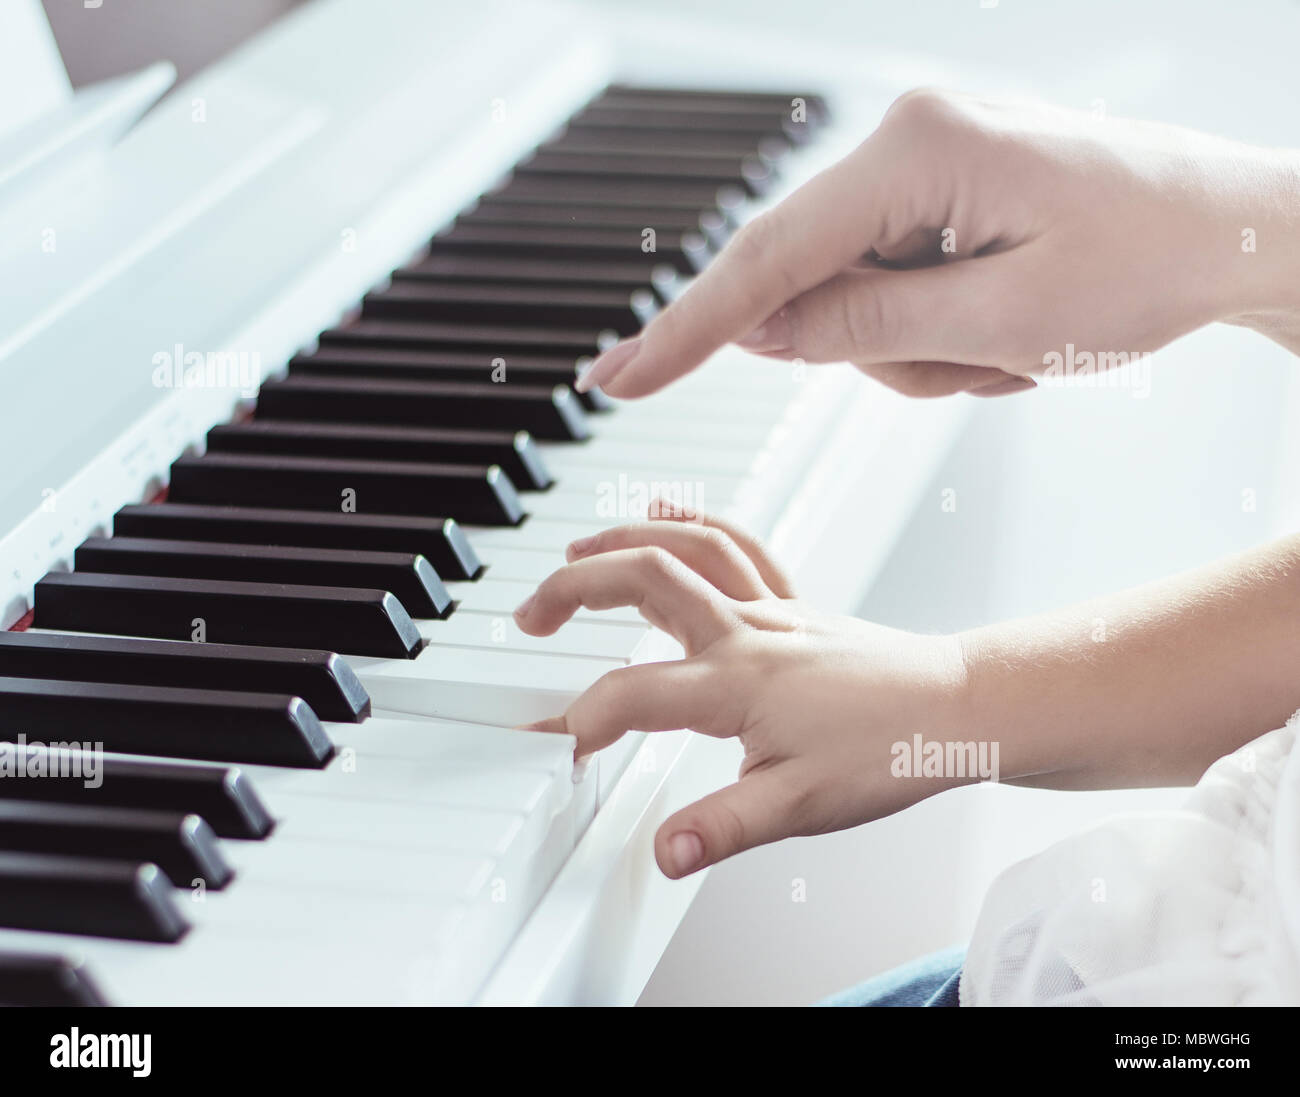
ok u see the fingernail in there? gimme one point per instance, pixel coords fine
(686, 851)
(581, 545)
(773, 334)
(605, 368)
(526, 605)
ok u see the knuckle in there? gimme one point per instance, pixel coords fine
(655, 563)
(547, 588)
(761, 245)
(802, 806)
(726, 829)
(716, 540)
(922, 109)
(755, 240)
(860, 316)
(865, 318)
(601, 701)
(603, 690)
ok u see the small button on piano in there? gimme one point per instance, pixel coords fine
(292, 361)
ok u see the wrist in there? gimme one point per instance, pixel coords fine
(958, 715)
(998, 700)
(1268, 242)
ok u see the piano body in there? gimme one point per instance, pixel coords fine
(389, 837)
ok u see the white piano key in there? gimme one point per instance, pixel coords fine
(614, 455)
(665, 427)
(537, 534)
(449, 742)
(235, 965)
(375, 870)
(625, 498)
(306, 814)
(723, 379)
(689, 401)
(489, 595)
(465, 628)
(525, 565)
(419, 841)
(480, 685)
(490, 784)
(567, 505)
(577, 477)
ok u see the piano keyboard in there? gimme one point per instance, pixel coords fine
(301, 666)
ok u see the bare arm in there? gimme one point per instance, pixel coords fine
(1149, 686)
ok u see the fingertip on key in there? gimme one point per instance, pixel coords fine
(553, 725)
(608, 365)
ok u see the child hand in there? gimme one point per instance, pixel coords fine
(817, 701)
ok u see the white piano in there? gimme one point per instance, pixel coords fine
(158, 271)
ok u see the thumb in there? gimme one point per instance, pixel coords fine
(757, 809)
(958, 312)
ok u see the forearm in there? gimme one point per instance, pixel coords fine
(1145, 687)
(1268, 265)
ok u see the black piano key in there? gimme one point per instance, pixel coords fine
(122, 899)
(46, 980)
(497, 340)
(413, 299)
(515, 452)
(410, 577)
(772, 146)
(440, 539)
(210, 725)
(693, 194)
(726, 127)
(468, 493)
(723, 100)
(551, 413)
(688, 252)
(183, 846)
(321, 678)
(353, 621)
(493, 210)
(222, 795)
(435, 365)
(651, 169)
(664, 280)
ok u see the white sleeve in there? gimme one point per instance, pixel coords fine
(1193, 907)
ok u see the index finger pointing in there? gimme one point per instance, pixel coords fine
(826, 224)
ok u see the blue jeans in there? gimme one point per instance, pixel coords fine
(929, 981)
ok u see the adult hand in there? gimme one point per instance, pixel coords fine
(966, 241)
